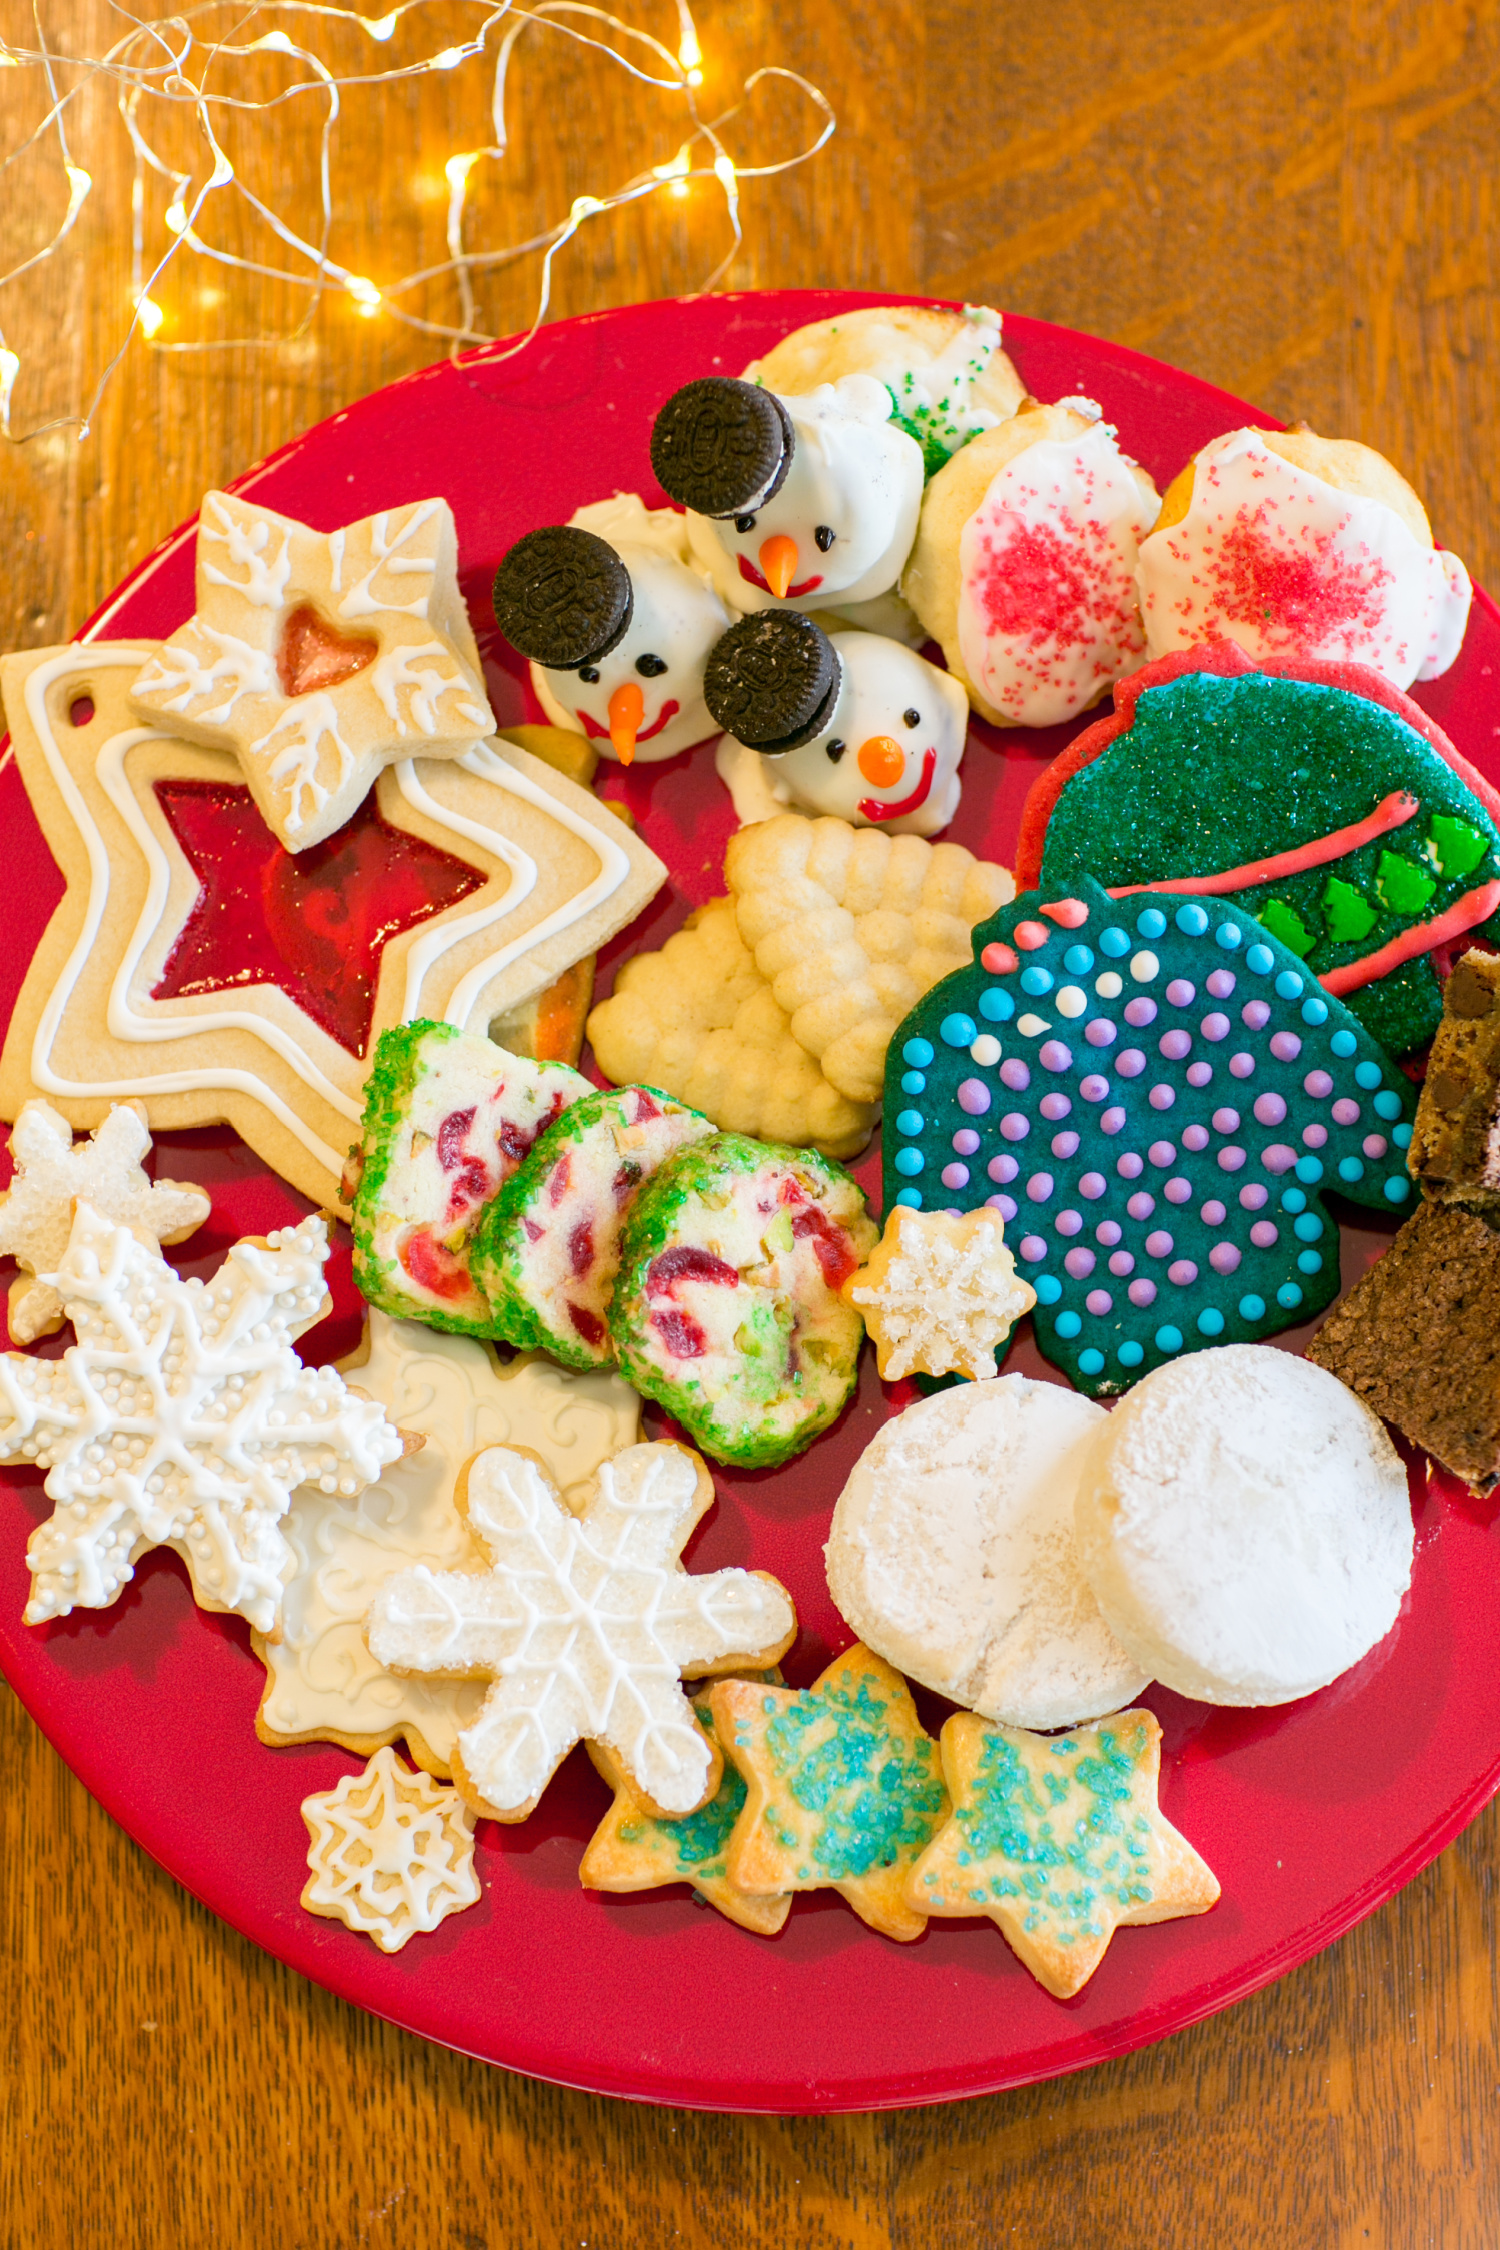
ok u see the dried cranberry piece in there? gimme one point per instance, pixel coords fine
(589, 1326)
(581, 1248)
(434, 1268)
(684, 1263)
(680, 1333)
(835, 1250)
(451, 1135)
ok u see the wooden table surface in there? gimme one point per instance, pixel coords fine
(1292, 200)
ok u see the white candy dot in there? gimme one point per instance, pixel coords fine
(1031, 1027)
(985, 1050)
(1109, 986)
(1144, 967)
(1072, 1001)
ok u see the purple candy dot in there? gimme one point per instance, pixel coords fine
(1278, 1157)
(1318, 1084)
(1215, 1026)
(966, 1143)
(1314, 1136)
(1140, 1012)
(1065, 1145)
(1162, 1154)
(1161, 1097)
(1195, 1137)
(1285, 1046)
(1345, 1113)
(1093, 1089)
(1099, 1302)
(1014, 1074)
(1039, 1186)
(1224, 1257)
(1159, 1244)
(1231, 1159)
(1221, 984)
(1002, 1168)
(1178, 1190)
(1180, 993)
(1255, 1015)
(974, 1097)
(1080, 1263)
(1270, 1109)
(1199, 1073)
(1130, 1062)
(1053, 1055)
(1107, 1232)
(1013, 1126)
(1142, 1292)
(1141, 1206)
(955, 1175)
(1253, 1197)
(1263, 1234)
(1174, 1045)
(1093, 1185)
(1004, 1204)
(1032, 1248)
(1374, 1145)
(1182, 1273)
(1069, 1222)
(1213, 1213)
(1130, 1166)
(1111, 1120)
(1122, 1263)
(1100, 1033)
(1054, 1106)
(1226, 1120)
(1242, 1066)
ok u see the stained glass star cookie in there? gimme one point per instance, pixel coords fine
(843, 1788)
(392, 1853)
(1058, 1839)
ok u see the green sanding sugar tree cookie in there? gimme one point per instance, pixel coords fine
(1155, 1095)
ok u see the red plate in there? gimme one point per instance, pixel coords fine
(1310, 1815)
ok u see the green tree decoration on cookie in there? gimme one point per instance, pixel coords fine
(1154, 1094)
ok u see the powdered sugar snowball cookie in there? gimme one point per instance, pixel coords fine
(952, 1554)
(1024, 564)
(1244, 1522)
(1292, 545)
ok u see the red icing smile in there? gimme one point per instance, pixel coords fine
(753, 577)
(599, 733)
(878, 808)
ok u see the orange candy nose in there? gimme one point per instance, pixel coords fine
(778, 563)
(882, 761)
(627, 708)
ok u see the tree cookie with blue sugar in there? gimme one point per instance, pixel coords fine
(843, 1788)
(1059, 1840)
(1154, 1095)
(1316, 797)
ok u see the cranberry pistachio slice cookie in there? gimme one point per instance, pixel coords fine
(547, 1249)
(727, 1309)
(449, 1116)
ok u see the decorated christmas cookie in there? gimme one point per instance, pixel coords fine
(392, 1853)
(618, 626)
(853, 725)
(1154, 1094)
(1316, 797)
(1024, 564)
(1294, 545)
(320, 659)
(939, 1294)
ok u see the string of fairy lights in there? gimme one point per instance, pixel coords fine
(206, 67)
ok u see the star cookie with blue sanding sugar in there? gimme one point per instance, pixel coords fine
(1154, 1094)
(631, 1850)
(843, 1788)
(1059, 1840)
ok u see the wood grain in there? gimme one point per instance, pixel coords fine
(1295, 201)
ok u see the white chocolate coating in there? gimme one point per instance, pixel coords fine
(392, 1853)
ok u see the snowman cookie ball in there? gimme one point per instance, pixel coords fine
(847, 724)
(945, 370)
(1024, 565)
(1292, 545)
(809, 501)
(617, 626)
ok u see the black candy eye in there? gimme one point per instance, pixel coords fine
(836, 749)
(650, 667)
(589, 674)
(912, 717)
(742, 524)
(825, 535)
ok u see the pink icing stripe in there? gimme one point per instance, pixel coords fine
(1474, 906)
(1392, 812)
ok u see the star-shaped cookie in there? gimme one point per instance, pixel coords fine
(194, 965)
(319, 659)
(36, 1211)
(1058, 1838)
(585, 1625)
(843, 1788)
(631, 1850)
(392, 1852)
(939, 1292)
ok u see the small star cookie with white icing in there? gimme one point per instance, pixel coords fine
(318, 659)
(36, 1211)
(1059, 1840)
(584, 1624)
(182, 1418)
(939, 1293)
(392, 1853)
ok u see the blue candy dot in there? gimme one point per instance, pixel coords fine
(1229, 935)
(1289, 1296)
(1252, 1307)
(996, 1005)
(909, 1162)
(1294, 1200)
(1048, 1288)
(1387, 1104)
(910, 1121)
(1343, 1043)
(1210, 1321)
(958, 1031)
(1114, 941)
(1397, 1188)
(913, 1082)
(1261, 960)
(918, 1052)
(1401, 1135)
(1132, 1354)
(1036, 980)
(1192, 921)
(1289, 984)
(1078, 960)
(1309, 1169)
(1068, 1324)
(1091, 1362)
(1153, 923)
(1315, 1011)
(911, 1197)
(1169, 1339)
(1308, 1228)
(1367, 1074)
(1350, 1168)
(1309, 1262)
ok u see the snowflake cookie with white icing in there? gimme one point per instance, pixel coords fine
(392, 1853)
(939, 1294)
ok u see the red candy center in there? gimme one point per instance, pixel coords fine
(312, 655)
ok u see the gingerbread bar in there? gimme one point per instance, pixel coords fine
(1455, 1146)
